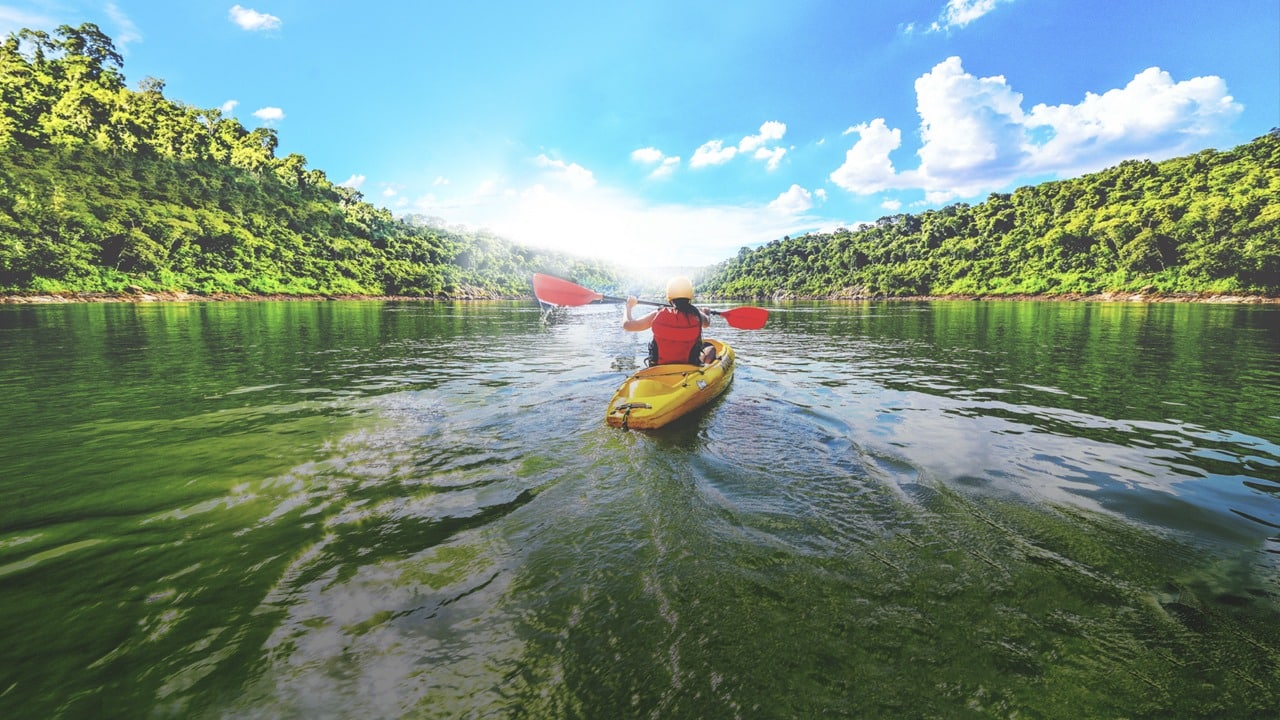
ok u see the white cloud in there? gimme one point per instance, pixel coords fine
(647, 156)
(770, 131)
(794, 201)
(977, 138)
(772, 156)
(354, 182)
(867, 167)
(229, 107)
(664, 165)
(959, 13)
(972, 128)
(591, 220)
(253, 20)
(1150, 111)
(572, 174)
(891, 205)
(757, 146)
(712, 153)
(666, 169)
(269, 114)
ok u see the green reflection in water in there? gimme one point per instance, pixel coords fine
(414, 509)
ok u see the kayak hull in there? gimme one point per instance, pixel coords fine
(658, 395)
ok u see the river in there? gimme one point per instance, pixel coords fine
(398, 509)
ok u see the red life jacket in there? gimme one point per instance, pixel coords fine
(676, 334)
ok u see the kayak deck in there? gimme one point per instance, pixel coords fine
(655, 396)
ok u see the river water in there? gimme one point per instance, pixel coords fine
(383, 510)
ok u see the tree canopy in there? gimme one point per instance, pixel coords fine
(103, 188)
(1205, 223)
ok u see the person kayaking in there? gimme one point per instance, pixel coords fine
(677, 328)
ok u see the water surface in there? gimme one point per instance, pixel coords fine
(416, 510)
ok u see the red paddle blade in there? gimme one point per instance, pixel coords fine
(745, 318)
(554, 291)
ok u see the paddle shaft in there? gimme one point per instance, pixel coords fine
(651, 303)
(554, 291)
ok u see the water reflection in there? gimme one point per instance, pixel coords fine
(415, 509)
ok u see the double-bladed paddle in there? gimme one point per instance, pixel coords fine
(554, 291)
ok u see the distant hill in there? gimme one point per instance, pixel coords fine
(103, 189)
(1208, 223)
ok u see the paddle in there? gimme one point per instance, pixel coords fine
(554, 291)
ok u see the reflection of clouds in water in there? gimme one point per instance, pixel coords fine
(1067, 457)
(394, 636)
(398, 604)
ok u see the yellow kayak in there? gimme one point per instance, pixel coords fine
(656, 395)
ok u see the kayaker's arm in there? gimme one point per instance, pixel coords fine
(635, 324)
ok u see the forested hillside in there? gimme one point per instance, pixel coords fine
(1206, 223)
(103, 188)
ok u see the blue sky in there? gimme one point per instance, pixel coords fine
(663, 133)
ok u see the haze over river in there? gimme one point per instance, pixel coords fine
(397, 509)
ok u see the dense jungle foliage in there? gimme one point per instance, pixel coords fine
(1205, 223)
(103, 189)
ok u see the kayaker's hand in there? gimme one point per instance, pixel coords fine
(631, 302)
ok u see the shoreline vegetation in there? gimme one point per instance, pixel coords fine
(478, 294)
(115, 195)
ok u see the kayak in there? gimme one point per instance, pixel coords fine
(657, 395)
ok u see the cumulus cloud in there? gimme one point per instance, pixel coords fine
(253, 20)
(794, 201)
(769, 132)
(771, 156)
(269, 114)
(759, 146)
(867, 167)
(1149, 111)
(664, 165)
(712, 153)
(972, 128)
(354, 182)
(976, 137)
(228, 107)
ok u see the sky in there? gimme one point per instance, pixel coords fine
(661, 133)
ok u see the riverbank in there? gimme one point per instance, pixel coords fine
(144, 296)
(1134, 297)
(478, 294)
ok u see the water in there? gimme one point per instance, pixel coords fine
(365, 509)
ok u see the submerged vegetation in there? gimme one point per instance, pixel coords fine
(1205, 223)
(104, 189)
